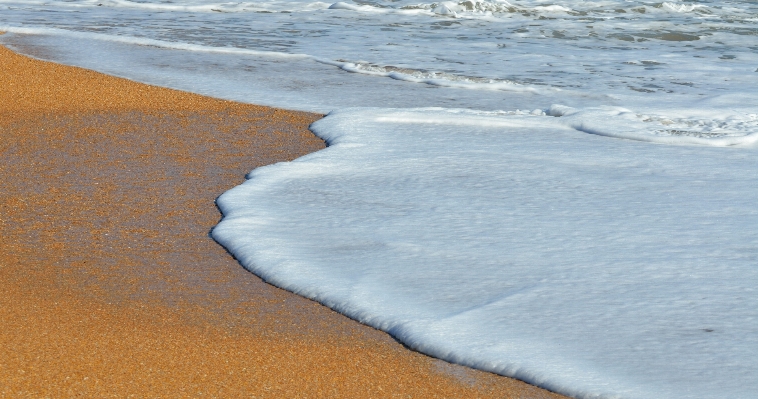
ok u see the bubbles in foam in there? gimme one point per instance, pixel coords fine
(732, 130)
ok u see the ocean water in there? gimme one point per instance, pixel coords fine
(560, 191)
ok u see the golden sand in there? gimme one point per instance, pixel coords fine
(110, 285)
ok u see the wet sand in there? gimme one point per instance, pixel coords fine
(111, 286)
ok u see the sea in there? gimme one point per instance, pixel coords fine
(560, 191)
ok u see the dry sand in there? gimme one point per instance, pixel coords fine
(111, 286)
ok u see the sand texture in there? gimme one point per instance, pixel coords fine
(110, 285)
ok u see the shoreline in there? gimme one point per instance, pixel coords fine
(113, 287)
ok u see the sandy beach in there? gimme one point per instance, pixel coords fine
(111, 286)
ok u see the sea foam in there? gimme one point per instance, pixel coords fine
(592, 266)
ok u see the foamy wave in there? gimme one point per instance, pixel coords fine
(453, 9)
(734, 130)
(511, 245)
(479, 8)
(437, 78)
(680, 7)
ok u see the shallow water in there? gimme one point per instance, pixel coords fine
(640, 55)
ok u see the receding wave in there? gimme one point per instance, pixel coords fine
(403, 74)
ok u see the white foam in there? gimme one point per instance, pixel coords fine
(591, 266)
(732, 130)
(441, 79)
(681, 7)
